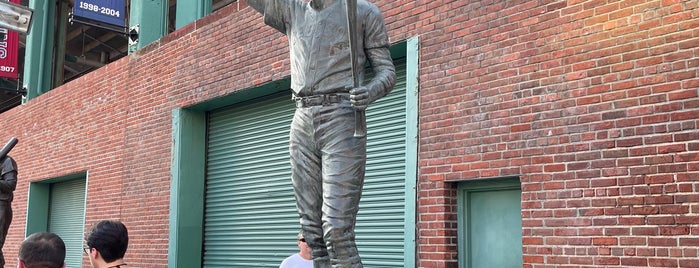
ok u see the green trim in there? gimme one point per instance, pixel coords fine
(190, 10)
(411, 143)
(187, 188)
(463, 190)
(38, 201)
(151, 17)
(39, 50)
(37, 208)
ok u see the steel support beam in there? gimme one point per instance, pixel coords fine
(151, 17)
(190, 10)
(39, 51)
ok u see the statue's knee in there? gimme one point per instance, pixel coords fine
(335, 235)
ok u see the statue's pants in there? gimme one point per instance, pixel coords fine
(327, 164)
(5, 220)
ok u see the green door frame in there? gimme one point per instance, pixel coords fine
(189, 167)
(38, 202)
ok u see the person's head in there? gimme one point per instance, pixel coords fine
(42, 250)
(106, 242)
(304, 249)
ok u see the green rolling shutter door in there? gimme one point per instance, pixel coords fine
(66, 217)
(250, 217)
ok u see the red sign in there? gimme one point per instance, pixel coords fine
(9, 50)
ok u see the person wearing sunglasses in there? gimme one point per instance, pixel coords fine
(302, 259)
(106, 243)
(42, 250)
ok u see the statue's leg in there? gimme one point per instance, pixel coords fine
(344, 159)
(5, 220)
(306, 179)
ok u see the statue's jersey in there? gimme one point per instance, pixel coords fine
(319, 43)
(8, 179)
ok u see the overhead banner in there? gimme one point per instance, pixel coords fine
(9, 50)
(105, 11)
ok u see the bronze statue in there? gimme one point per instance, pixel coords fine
(8, 183)
(327, 159)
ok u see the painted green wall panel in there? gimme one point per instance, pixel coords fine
(187, 188)
(495, 226)
(490, 223)
(190, 10)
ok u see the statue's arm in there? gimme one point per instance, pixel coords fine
(276, 13)
(8, 183)
(376, 48)
(384, 72)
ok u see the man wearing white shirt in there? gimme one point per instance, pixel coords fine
(302, 259)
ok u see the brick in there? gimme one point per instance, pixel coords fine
(662, 262)
(662, 242)
(673, 231)
(626, 262)
(689, 242)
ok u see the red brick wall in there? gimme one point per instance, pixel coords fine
(593, 104)
(116, 123)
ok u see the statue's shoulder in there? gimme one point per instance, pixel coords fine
(8, 164)
(364, 6)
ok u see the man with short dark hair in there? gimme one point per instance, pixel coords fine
(42, 250)
(106, 243)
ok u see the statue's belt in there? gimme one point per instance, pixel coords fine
(321, 100)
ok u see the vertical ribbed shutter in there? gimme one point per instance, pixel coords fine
(380, 221)
(66, 217)
(249, 202)
(250, 211)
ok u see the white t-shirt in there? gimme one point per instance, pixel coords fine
(295, 261)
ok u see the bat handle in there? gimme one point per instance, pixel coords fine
(359, 124)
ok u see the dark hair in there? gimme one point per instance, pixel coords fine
(110, 238)
(43, 250)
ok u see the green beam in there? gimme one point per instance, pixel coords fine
(190, 10)
(187, 188)
(151, 16)
(411, 148)
(58, 76)
(39, 51)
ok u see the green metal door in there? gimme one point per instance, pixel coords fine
(250, 217)
(493, 228)
(66, 217)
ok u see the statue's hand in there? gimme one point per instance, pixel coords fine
(361, 97)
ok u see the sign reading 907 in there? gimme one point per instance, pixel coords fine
(106, 11)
